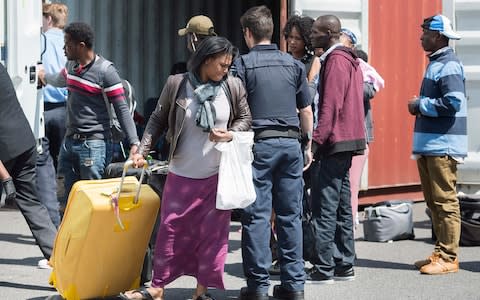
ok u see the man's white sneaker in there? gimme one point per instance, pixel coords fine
(43, 264)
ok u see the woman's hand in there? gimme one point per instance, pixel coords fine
(220, 135)
(138, 160)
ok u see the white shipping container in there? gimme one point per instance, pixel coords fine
(20, 28)
(465, 15)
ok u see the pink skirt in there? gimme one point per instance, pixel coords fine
(192, 237)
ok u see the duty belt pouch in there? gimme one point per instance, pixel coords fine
(388, 221)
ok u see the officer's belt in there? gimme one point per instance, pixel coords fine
(267, 133)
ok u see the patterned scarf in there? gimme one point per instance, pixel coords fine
(204, 93)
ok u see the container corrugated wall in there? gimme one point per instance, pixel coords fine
(140, 36)
(395, 51)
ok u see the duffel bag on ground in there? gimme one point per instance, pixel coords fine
(388, 221)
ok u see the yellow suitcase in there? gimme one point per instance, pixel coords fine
(100, 246)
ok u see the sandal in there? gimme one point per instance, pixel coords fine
(142, 291)
(205, 296)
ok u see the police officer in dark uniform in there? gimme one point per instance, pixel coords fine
(18, 154)
(277, 87)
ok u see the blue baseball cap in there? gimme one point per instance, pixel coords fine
(350, 34)
(441, 24)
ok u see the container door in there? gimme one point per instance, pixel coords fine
(20, 41)
(353, 14)
(464, 15)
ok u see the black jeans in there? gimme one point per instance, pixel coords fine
(22, 170)
(332, 213)
(47, 160)
(55, 115)
(47, 183)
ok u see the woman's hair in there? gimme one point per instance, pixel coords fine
(81, 32)
(58, 12)
(210, 47)
(304, 27)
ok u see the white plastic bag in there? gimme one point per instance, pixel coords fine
(235, 183)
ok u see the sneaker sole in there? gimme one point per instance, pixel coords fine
(44, 267)
(348, 278)
(440, 273)
(419, 265)
(320, 282)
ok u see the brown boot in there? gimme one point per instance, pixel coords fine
(420, 263)
(438, 266)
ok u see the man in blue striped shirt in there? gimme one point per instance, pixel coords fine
(440, 141)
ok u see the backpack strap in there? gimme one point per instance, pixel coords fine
(129, 95)
(104, 64)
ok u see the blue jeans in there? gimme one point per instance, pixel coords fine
(83, 159)
(332, 213)
(277, 175)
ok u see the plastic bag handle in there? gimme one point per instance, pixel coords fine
(126, 166)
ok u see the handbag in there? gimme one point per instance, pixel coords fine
(235, 182)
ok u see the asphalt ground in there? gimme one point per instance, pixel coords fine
(383, 270)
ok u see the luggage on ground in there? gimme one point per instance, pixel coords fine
(101, 242)
(155, 176)
(470, 214)
(388, 221)
(470, 220)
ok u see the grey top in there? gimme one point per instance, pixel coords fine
(195, 155)
(87, 113)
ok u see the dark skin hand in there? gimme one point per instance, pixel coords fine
(413, 106)
(215, 135)
(220, 135)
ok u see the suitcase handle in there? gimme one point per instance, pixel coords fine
(116, 198)
(128, 164)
